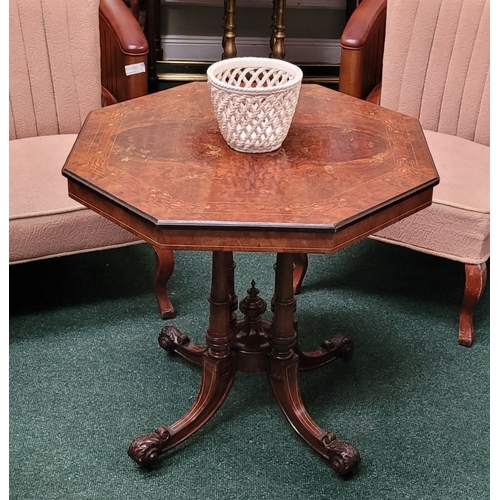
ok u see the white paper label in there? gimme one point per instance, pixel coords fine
(133, 69)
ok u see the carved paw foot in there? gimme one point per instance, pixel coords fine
(343, 457)
(170, 336)
(146, 449)
(340, 343)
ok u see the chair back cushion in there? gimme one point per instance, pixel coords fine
(436, 65)
(54, 66)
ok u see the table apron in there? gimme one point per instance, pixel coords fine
(251, 239)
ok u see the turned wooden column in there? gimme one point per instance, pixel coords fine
(283, 334)
(229, 37)
(219, 332)
(277, 41)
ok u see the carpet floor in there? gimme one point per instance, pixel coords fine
(86, 376)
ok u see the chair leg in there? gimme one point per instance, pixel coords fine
(163, 271)
(475, 280)
(300, 262)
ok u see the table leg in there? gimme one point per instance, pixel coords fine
(230, 267)
(163, 271)
(229, 37)
(283, 375)
(338, 347)
(174, 341)
(218, 372)
(300, 263)
(278, 30)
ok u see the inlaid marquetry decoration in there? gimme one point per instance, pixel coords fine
(164, 156)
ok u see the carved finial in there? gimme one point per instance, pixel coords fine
(253, 291)
(252, 306)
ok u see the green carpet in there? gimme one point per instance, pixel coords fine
(87, 376)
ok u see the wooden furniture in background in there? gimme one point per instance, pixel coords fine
(276, 41)
(362, 44)
(122, 45)
(153, 31)
(346, 169)
(134, 7)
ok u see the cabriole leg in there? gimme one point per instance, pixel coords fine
(163, 271)
(218, 371)
(283, 376)
(300, 262)
(475, 281)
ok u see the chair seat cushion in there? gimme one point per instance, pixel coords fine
(464, 169)
(43, 220)
(457, 224)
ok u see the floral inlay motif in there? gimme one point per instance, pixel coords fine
(213, 151)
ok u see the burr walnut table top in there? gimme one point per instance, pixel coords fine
(346, 169)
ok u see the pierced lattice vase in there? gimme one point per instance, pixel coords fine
(254, 100)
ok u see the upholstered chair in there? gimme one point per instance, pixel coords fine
(66, 58)
(430, 59)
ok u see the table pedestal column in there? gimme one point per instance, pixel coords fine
(250, 344)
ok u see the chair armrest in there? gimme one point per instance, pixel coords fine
(123, 44)
(362, 47)
(107, 99)
(374, 95)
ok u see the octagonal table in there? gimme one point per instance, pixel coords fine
(159, 167)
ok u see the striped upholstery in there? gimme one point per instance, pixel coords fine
(55, 81)
(437, 65)
(54, 63)
(436, 68)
